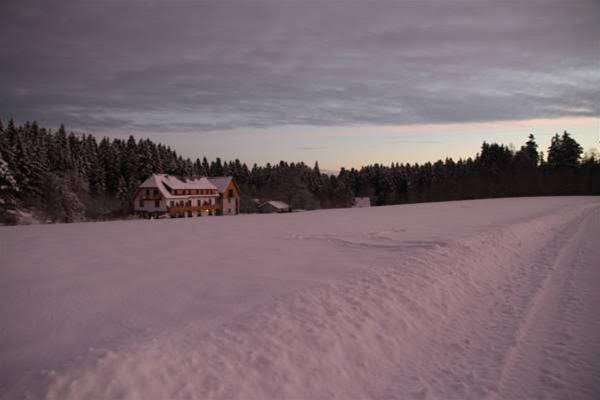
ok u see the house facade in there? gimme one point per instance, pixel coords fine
(228, 202)
(163, 195)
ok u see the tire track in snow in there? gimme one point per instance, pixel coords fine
(546, 361)
(439, 324)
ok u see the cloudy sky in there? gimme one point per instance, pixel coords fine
(343, 82)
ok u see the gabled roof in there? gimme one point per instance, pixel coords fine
(221, 182)
(202, 183)
(162, 181)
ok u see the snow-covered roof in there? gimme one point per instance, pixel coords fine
(158, 181)
(221, 182)
(362, 202)
(277, 204)
(202, 183)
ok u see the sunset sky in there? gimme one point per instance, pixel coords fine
(342, 82)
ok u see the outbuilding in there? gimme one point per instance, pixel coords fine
(273, 206)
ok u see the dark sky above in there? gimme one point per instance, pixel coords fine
(201, 66)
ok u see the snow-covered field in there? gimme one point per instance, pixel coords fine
(474, 299)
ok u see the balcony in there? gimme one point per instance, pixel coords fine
(184, 208)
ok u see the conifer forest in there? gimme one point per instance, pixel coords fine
(63, 176)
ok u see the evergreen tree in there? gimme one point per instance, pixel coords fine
(528, 156)
(564, 152)
(216, 168)
(205, 167)
(71, 176)
(8, 193)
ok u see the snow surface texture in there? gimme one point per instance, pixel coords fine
(460, 300)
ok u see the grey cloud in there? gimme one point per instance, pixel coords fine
(201, 66)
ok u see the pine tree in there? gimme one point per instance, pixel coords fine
(8, 193)
(528, 156)
(216, 168)
(564, 152)
(61, 157)
(109, 162)
(96, 174)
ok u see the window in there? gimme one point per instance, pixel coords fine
(156, 192)
(230, 194)
(156, 203)
(147, 191)
(141, 203)
(172, 203)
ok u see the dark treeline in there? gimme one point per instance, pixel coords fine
(63, 176)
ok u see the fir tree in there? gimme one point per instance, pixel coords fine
(564, 152)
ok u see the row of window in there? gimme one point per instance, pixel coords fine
(194, 191)
(189, 203)
(151, 191)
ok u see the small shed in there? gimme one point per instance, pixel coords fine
(273, 206)
(360, 202)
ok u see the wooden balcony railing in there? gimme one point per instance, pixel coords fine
(178, 209)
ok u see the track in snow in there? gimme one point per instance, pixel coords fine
(473, 309)
(557, 351)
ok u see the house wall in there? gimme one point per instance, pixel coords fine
(194, 205)
(218, 203)
(231, 206)
(149, 203)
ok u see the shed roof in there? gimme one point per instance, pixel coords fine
(277, 204)
(362, 202)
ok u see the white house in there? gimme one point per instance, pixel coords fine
(229, 195)
(165, 195)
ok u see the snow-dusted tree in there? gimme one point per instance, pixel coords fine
(109, 162)
(95, 172)
(8, 187)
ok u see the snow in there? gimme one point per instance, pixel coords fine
(472, 299)
(221, 182)
(159, 181)
(280, 205)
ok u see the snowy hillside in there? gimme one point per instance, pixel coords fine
(472, 299)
